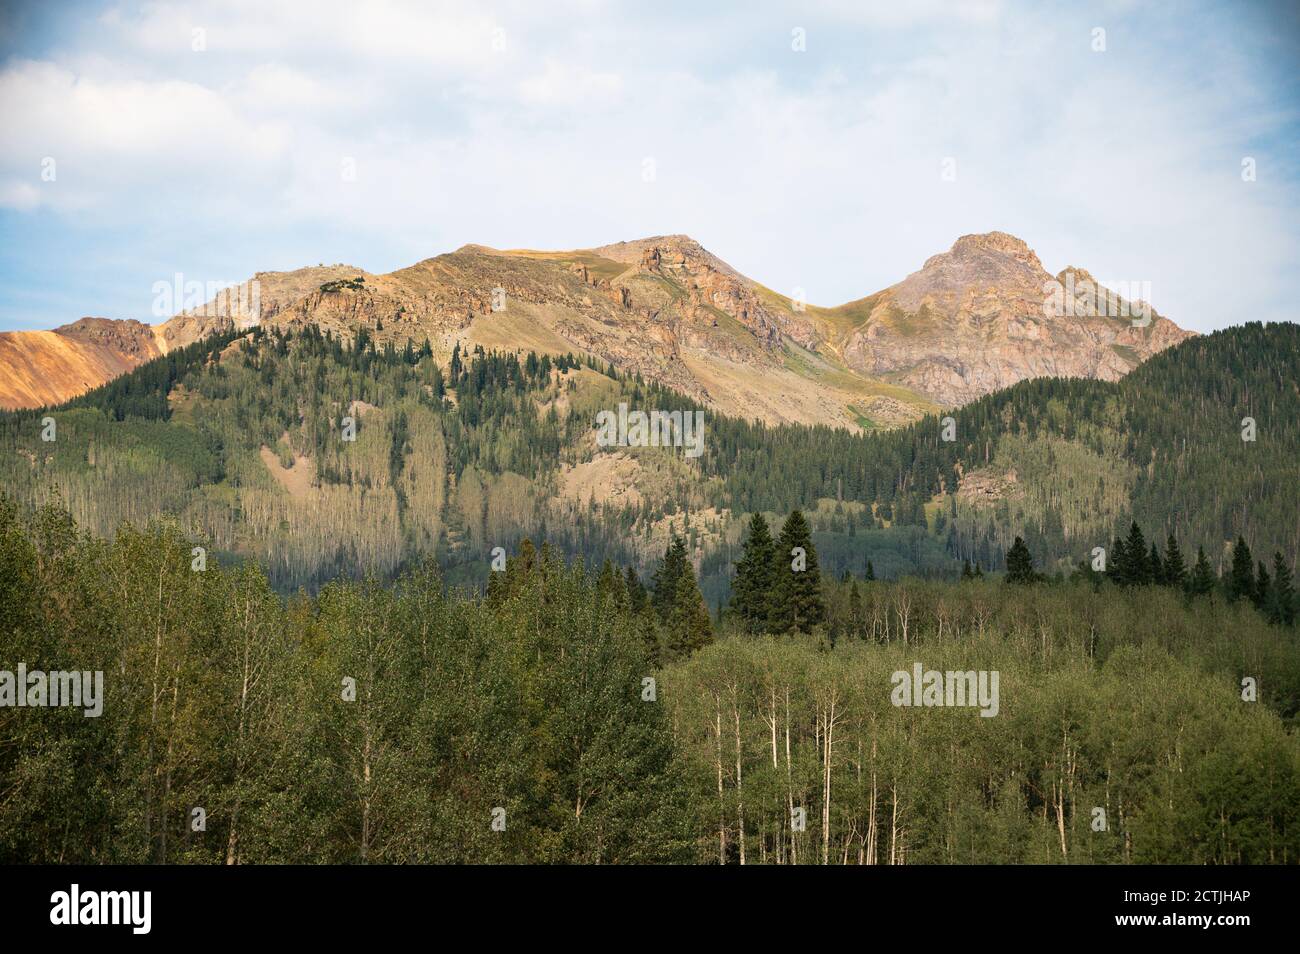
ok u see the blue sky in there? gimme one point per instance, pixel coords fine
(539, 125)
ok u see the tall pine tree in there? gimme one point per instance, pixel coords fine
(1155, 565)
(1281, 605)
(1202, 579)
(1137, 571)
(751, 589)
(689, 625)
(1263, 588)
(671, 572)
(1175, 569)
(796, 599)
(1241, 578)
(1020, 565)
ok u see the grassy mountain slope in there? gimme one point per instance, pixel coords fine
(240, 438)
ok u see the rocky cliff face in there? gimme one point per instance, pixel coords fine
(972, 320)
(261, 298)
(711, 283)
(986, 314)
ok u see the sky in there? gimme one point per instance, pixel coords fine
(829, 147)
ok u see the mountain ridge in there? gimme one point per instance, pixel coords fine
(969, 321)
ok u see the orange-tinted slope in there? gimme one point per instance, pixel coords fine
(49, 367)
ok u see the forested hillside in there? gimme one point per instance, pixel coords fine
(1067, 463)
(408, 723)
(246, 442)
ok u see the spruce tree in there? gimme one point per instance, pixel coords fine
(1175, 569)
(672, 570)
(1135, 552)
(456, 366)
(871, 572)
(1263, 588)
(796, 600)
(1281, 605)
(610, 585)
(605, 581)
(689, 625)
(1202, 579)
(637, 599)
(1020, 565)
(1241, 579)
(1117, 568)
(1157, 568)
(751, 589)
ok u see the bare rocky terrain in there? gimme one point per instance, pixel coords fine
(970, 321)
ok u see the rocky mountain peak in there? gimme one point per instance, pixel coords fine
(971, 320)
(974, 265)
(1002, 243)
(1080, 274)
(987, 257)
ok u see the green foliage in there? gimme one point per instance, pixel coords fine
(1185, 771)
(367, 724)
(752, 586)
(1202, 581)
(679, 604)
(1020, 565)
(796, 599)
(452, 461)
(1240, 583)
(390, 723)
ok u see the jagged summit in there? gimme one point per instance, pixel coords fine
(989, 243)
(969, 321)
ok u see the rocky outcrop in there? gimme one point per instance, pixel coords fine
(971, 320)
(263, 297)
(986, 314)
(711, 283)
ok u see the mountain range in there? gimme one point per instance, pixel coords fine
(970, 321)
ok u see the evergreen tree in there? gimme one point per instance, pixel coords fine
(689, 626)
(1137, 572)
(637, 599)
(1202, 580)
(796, 599)
(1156, 566)
(751, 589)
(871, 572)
(1020, 565)
(1263, 588)
(1175, 569)
(609, 585)
(1241, 578)
(966, 573)
(456, 366)
(1117, 564)
(1281, 607)
(674, 568)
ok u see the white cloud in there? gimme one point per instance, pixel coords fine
(109, 136)
(816, 169)
(564, 84)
